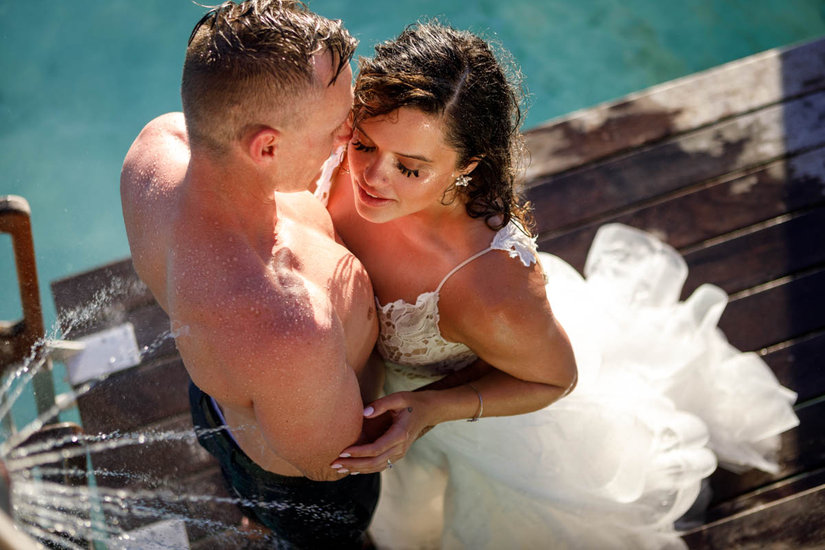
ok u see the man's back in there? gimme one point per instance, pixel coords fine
(276, 325)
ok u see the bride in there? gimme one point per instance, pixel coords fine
(594, 435)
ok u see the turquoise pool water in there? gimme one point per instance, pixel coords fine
(79, 80)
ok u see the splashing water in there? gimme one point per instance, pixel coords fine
(60, 500)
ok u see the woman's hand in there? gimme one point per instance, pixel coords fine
(409, 422)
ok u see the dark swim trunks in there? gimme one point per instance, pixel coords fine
(305, 513)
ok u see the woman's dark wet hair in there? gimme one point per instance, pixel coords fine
(455, 74)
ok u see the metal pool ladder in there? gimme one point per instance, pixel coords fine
(19, 338)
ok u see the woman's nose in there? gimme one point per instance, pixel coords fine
(374, 172)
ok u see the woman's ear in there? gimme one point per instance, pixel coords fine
(262, 144)
(471, 165)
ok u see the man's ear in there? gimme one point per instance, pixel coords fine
(262, 144)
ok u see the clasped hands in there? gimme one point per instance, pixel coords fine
(391, 424)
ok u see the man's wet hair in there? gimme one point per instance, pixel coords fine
(247, 62)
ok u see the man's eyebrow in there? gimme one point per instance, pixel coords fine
(416, 157)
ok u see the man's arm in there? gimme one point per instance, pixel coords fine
(314, 414)
(154, 167)
(288, 361)
(158, 157)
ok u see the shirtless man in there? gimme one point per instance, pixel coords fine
(274, 319)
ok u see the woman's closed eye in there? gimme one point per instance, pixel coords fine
(361, 147)
(406, 171)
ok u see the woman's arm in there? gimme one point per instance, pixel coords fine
(508, 325)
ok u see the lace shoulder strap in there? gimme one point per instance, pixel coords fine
(459, 266)
(512, 240)
(515, 241)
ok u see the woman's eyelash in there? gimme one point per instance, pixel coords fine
(403, 169)
(361, 147)
(406, 171)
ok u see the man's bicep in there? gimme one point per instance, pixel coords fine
(310, 419)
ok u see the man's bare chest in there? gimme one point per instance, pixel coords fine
(323, 263)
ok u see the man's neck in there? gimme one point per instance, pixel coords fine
(237, 197)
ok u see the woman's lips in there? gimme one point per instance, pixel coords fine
(370, 198)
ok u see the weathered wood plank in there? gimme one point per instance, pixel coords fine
(794, 522)
(633, 179)
(802, 450)
(781, 311)
(765, 495)
(800, 365)
(689, 218)
(674, 107)
(202, 502)
(155, 464)
(99, 298)
(760, 255)
(110, 295)
(215, 512)
(152, 332)
(136, 397)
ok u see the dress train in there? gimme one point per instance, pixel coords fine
(662, 396)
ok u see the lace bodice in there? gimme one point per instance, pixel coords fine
(409, 338)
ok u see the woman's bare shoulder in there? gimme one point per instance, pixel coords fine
(495, 288)
(499, 309)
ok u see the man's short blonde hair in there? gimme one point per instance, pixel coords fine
(251, 65)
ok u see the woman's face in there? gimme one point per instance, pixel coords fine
(400, 165)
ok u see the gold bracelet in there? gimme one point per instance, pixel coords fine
(480, 405)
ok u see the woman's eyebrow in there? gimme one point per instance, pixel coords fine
(416, 157)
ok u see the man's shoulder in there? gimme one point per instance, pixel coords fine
(169, 126)
(152, 170)
(307, 211)
(157, 156)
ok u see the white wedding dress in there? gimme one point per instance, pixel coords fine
(661, 398)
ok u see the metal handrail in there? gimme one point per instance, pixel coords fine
(18, 338)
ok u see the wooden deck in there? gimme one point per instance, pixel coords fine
(728, 166)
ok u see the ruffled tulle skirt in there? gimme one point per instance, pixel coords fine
(661, 398)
